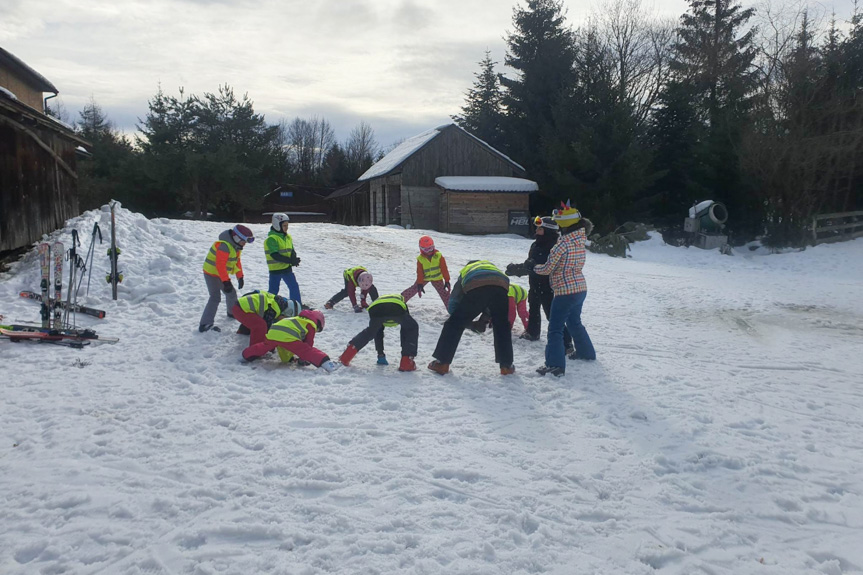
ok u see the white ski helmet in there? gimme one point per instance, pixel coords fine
(278, 219)
(365, 281)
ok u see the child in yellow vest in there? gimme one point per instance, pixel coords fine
(431, 267)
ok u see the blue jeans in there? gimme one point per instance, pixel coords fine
(566, 310)
(290, 281)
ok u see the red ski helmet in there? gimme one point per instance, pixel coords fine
(426, 244)
(315, 316)
(243, 233)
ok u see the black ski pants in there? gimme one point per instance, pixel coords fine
(389, 312)
(472, 304)
(539, 299)
(373, 292)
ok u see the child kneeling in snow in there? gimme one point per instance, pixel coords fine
(257, 311)
(294, 336)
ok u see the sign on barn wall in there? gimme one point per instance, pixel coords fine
(519, 222)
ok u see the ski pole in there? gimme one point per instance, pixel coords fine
(72, 258)
(88, 261)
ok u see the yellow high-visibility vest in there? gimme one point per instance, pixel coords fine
(286, 248)
(480, 265)
(431, 267)
(210, 262)
(258, 303)
(518, 292)
(291, 329)
(392, 298)
(350, 275)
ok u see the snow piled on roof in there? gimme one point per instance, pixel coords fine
(486, 184)
(400, 153)
(7, 93)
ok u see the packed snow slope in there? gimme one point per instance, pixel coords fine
(719, 431)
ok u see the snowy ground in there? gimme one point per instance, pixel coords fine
(719, 432)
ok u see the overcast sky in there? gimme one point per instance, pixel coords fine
(403, 66)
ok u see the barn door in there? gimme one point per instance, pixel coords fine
(394, 204)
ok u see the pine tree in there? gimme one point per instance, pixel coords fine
(482, 114)
(713, 59)
(541, 51)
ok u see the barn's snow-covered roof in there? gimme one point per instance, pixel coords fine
(486, 184)
(412, 145)
(26, 72)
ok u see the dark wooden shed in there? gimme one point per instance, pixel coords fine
(402, 187)
(38, 178)
(351, 204)
(301, 203)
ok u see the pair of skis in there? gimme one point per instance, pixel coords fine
(69, 337)
(74, 307)
(45, 253)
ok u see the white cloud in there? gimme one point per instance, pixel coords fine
(388, 62)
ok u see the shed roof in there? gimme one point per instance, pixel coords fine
(500, 184)
(409, 147)
(26, 72)
(347, 190)
(10, 105)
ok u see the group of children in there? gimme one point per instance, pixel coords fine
(274, 322)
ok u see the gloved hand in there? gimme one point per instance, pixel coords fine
(420, 290)
(227, 286)
(295, 261)
(510, 269)
(269, 317)
(329, 366)
(358, 308)
(240, 283)
(447, 286)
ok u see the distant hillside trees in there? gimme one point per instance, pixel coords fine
(635, 117)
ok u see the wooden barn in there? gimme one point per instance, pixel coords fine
(403, 188)
(301, 203)
(350, 204)
(38, 178)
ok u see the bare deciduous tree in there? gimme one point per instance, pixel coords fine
(361, 148)
(640, 47)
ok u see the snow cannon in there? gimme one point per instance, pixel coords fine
(705, 224)
(711, 216)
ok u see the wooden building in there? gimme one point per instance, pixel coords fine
(350, 204)
(38, 178)
(402, 187)
(301, 203)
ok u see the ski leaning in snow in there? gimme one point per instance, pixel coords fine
(45, 263)
(76, 307)
(69, 332)
(114, 276)
(58, 253)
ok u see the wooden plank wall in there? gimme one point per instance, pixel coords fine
(23, 91)
(383, 203)
(36, 197)
(421, 207)
(453, 153)
(353, 210)
(479, 213)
